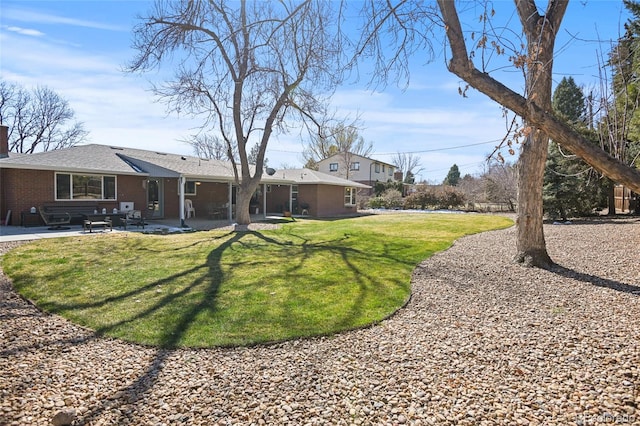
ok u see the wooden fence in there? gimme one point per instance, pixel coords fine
(622, 196)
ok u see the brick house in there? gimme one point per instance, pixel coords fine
(118, 178)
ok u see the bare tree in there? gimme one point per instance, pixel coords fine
(500, 182)
(342, 140)
(541, 123)
(38, 120)
(249, 68)
(412, 24)
(408, 163)
(211, 146)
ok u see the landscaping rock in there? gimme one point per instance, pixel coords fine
(483, 341)
(64, 418)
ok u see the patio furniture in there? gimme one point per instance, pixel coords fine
(90, 224)
(55, 220)
(188, 208)
(77, 211)
(133, 217)
(216, 211)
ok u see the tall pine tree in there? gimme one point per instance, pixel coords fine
(453, 177)
(571, 188)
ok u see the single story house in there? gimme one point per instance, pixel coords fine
(160, 185)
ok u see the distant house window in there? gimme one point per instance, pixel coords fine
(333, 167)
(390, 171)
(377, 167)
(349, 196)
(383, 168)
(190, 187)
(85, 187)
(355, 165)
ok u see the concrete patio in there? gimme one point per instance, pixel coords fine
(20, 233)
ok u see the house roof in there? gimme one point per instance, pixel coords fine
(311, 177)
(105, 159)
(85, 158)
(355, 156)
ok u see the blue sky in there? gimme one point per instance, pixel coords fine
(78, 49)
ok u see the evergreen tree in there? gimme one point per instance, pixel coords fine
(453, 177)
(568, 101)
(571, 187)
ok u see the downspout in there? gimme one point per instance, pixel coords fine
(182, 181)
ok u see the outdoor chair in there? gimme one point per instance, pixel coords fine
(56, 220)
(133, 217)
(188, 209)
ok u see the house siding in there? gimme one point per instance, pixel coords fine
(366, 174)
(332, 201)
(208, 194)
(278, 198)
(23, 189)
(323, 200)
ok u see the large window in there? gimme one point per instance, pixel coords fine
(333, 167)
(355, 165)
(349, 196)
(85, 187)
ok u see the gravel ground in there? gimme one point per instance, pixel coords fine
(482, 342)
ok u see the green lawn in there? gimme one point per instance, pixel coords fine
(215, 288)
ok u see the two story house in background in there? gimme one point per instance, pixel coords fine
(360, 169)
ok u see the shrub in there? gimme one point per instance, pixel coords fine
(438, 197)
(392, 199)
(376, 203)
(449, 197)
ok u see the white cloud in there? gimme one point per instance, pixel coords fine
(30, 16)
(24, 31)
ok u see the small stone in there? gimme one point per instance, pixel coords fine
(64, 418)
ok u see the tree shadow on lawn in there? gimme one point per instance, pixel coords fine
(367, 283)
(139, 391)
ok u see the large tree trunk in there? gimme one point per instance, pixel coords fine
(243, 200)
(538, 115)
(540, 32)
(531, 248)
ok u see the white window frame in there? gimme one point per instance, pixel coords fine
(377, 168)
(349, 196)
(71, 195)
(354, 166)
(187, 183)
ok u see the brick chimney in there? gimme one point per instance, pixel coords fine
(4, 141)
